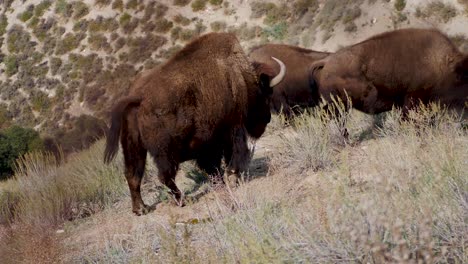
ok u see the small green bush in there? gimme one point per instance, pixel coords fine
(198, 5)
(102, 2)
(55, 64)
(276, 15)
(63, 8)
(68, 43)
(438, 9)
(276, 32)
(131, 4)
(98, 42)
(15, 142)
(40, 102)
(300, 7)
(125, 19)
(400, 5)
(351, 14)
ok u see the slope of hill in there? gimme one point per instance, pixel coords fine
(396, 194)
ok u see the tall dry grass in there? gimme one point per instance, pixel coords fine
(397, 196)
(43, 194)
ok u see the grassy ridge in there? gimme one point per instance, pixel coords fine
(400, 195)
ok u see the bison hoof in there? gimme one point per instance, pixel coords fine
(144, 209)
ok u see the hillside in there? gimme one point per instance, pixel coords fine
(62, 59)
(396, 192)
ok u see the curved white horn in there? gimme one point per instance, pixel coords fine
(278, 78)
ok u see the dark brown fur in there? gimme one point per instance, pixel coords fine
(202, 104)
(400, 68)
(297, 90)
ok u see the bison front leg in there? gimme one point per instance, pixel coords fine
(210, 162)
(237, 155)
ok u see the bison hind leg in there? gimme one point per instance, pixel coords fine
(135, 161)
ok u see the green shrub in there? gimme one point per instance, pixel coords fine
(125, 19)
(400, 5)
(3, 24)
(42, 7)
(98, 42)
(351, 14)
(438, 9)
(187, 34)
(276, 32)
(40, 101)
(175, 33)
(5, 116)
(27, 14)
(131, 4)
(15, 142)
(276, 15)
(198, 5)
(181, 2)
(11, 65)
(18, 40)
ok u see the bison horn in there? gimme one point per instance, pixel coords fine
(278, 78)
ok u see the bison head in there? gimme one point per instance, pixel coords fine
(259, 114)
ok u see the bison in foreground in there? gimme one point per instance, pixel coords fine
(202, 104)
(401, 68)
(297, 90)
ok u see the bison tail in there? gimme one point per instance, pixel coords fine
(113, 134)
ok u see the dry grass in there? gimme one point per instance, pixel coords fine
(398, 195)
(440, 10)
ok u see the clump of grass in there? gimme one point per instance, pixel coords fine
(99, 42)
(260, 8)
(198, 5)
(40, 101)
(11, 65)
(63, 8)
(80, 9)
(131, 4)
(3, 24)
(102, 2)
(301, 7)
(438, 9)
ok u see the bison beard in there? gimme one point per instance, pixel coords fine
(298, 90)
(202, 104)
(399, 68)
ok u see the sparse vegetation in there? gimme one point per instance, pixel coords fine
(163, 25)
(3, 24)
(69, 42)
(215, 2)
(438, 9)
(180, 19)
(11, 65)
(41, 8)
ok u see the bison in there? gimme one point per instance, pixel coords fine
(399, 68)
(202, 104)
(298, 90)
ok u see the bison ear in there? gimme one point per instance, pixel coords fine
(264, 73)
(264, 80)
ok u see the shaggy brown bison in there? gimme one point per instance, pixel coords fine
(401, 68)
(297, 90)
(202, 104)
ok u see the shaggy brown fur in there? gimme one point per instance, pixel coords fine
(400, 68)
(297, 90)
(202, 104)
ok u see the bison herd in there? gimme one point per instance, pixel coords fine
(207, 100)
